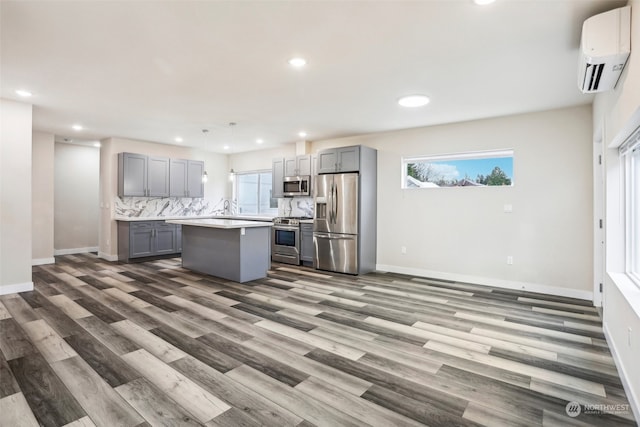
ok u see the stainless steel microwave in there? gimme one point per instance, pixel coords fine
(296, 185)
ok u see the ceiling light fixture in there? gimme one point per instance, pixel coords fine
(178, 139)
(412, 101)
(97, 144)
(483, 2)
(302, 134)
(259, 141)
(76, 127)
(23, 93)
(297, 62)
(226, 147)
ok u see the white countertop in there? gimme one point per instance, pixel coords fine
(306, 221)
(162, 218)
(221, 223)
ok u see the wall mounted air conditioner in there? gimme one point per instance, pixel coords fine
(605, 46)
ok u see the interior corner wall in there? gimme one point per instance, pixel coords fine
(76, 198)
(463, 233)
(217, 188)
(43, 195)
(613, 111)
(15, 197)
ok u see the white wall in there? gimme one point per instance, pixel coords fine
(215, 189)
(76, 199)
(259, 160)
(15, 197)
(42, 176)
(463, 233)
(621, 301)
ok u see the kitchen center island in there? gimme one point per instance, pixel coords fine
(233, 249)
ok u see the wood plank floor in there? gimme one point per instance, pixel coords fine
(110, 344)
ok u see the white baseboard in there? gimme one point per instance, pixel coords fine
(496, 283)
(15, 288)
(42, 261)
(75, 251)
(628, 389)
(108, 257)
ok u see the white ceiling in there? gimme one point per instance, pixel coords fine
(154, 70)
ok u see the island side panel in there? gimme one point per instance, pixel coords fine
(255, 253)
(213, 251)
(227, 253)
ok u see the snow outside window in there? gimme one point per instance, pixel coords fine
(475, 169)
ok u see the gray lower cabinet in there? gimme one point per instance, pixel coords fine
(306, 243)
(148, 238)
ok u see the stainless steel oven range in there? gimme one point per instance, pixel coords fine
(285, 240)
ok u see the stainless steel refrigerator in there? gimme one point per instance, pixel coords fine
(335, 231)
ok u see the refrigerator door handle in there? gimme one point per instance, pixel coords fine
(335, 206)
(330, 237)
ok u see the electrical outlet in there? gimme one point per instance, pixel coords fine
(403, 250)
(510, 260)
(508, 208)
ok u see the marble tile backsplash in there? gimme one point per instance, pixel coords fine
(296, 206)
(169, 206)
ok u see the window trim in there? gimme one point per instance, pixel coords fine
(467, 155)
(631, 206)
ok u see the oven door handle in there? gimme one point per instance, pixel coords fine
(286, 228)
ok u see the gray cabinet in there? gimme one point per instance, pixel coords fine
(195, 186)
(140, 175)
(297, 166)
(306, 243)
(343, 159)
(148, 238)
(186, 178)
(277, 176)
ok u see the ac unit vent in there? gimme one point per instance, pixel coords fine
(592, 77)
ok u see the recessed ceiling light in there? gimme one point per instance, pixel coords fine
(483, 2)
(297, 62)
(412, 101)
(178, 139)
(259, 141)
(23, 93)
(96, 144)
(226, 147)
(302, 134)
(77, 127)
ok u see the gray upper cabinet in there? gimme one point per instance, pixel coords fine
(178, 178)
(277, 176)
(151, 176)
(132, 175)
(158, 177)
(140, 175)
(343, 159)
(297, 166)
(195, 186)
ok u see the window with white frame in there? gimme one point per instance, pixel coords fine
(253, 193)
(630, 153)
(473, 169)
